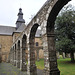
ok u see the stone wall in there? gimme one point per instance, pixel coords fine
(15, 36)
(39, 40)
(6, 43)
(41, 54)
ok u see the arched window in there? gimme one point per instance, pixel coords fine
(37, 44)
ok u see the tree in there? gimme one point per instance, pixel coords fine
(65, 30)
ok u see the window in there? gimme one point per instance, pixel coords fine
(37, 44)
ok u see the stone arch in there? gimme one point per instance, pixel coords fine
(24, 44)
(24, 41)
(18, 54)
(32, 70)
(33, 31)
(54, 12)
(50, 57)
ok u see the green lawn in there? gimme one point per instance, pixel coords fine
(40, 64)
(64, 65)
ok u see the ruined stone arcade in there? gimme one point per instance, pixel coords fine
(45, 18)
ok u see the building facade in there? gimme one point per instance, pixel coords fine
(8, 35)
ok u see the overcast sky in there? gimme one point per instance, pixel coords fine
(10, 8)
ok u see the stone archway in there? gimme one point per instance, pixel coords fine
(46, 18)
(50, 52)
(32, 70)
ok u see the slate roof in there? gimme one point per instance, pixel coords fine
(6, 30)
(21, 28)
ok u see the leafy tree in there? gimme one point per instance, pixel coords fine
(65, 30)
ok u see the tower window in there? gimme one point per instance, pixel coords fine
(37, 44)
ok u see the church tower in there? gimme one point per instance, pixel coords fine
(20, 19)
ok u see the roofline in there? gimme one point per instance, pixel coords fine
(15, 32)
(6, 34)
(37, 36)
(7, 26)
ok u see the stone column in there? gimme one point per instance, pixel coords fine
(18, 58)
(63, 55)
(32, 70)
(21, 58)
(10, 56)
(8, 59)
(18, 55)
(50, 59)
(46, 55)
(5, 57)
(0, 56)
(24, 64)
(14, 57)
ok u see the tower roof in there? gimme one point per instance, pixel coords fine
(20, 19)
(20, 12)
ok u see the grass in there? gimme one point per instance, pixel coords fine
(40, 64)
(65, 66)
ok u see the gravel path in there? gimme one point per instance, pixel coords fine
(39, 72)
(9, 69)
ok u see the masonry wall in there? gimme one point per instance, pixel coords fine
(41, 53)
(39, 40)
(15, 35)
(6, 43)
